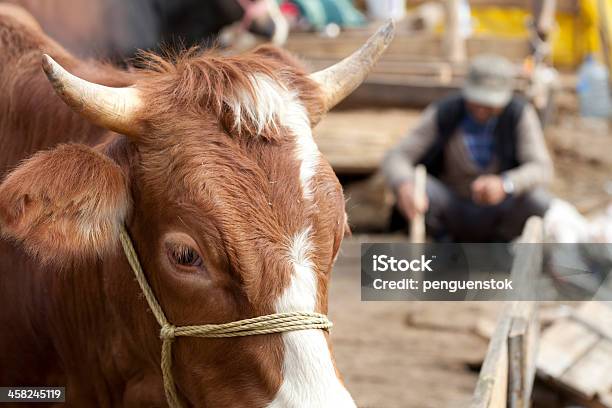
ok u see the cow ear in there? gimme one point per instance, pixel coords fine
(65, 204)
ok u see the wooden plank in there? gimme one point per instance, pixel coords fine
(531, 355)
(484, 328)
(499, 392)
(491, 377)
(492, 386)
(523, 335)
(597, 316)
(356, 141)
(433, 70)
(578, 354)
(592, 374)
(516, 359)
(405, 91)
(413, 71)
(562, 345)
(522, 352)
(312, 45)
(417, 47)
(384, 93)
(527, 264)
(417, 224)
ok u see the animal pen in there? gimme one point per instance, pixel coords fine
(575, 353)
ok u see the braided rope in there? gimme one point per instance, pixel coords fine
(272, 323)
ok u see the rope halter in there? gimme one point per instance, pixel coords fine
(267, 324)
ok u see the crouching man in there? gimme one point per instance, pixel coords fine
(486, 159)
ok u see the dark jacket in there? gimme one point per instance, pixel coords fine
(450, 113)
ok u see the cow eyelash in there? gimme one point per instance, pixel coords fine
(183, 255)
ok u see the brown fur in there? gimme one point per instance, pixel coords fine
(79, 318)
(202, 86)
(42, 211)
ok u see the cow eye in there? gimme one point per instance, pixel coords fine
(183, 255)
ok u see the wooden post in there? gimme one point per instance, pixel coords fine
(417, 224)
(543, 14)
(507, 374)
(523, 340)
(527, 263)
(544, 17)
(454, 43)
(491, 388)
(524, 328)
(604, 35)
(516, 368)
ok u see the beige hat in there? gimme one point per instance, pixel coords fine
(490, 81)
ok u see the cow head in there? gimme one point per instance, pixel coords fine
(233, 211)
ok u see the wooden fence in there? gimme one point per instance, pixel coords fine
(508, 372)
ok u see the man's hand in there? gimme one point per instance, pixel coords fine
(488, 189)
(406, 201)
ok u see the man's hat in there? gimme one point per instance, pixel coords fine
(490, 81)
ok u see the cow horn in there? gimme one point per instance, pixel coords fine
(339, 80)
(112, 108)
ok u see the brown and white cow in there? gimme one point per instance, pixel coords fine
(210, 163)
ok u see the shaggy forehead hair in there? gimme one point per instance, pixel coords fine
(241, 123)
(232, 136)
(201, 84)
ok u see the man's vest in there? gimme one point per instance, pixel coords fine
(450, 113)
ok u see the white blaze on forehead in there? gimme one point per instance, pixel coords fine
(296, 119)
(261, 111)
(309, 376)
(303, 281)
(273, 104)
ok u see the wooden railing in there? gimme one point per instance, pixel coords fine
(508, 372)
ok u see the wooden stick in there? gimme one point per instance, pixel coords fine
(453, 38)
(604, 35)
(417, 225)
(544, 17)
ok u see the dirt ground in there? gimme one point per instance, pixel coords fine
(583, 164)
(417, 354)
(403, 354)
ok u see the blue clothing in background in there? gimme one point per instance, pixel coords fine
(319, 13)
(479, 139)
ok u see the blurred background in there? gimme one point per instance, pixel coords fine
(416, 354)
(420, 354)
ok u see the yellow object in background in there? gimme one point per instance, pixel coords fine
(503, 22)
(575, 36)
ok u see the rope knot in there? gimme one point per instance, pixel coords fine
(167, 332)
